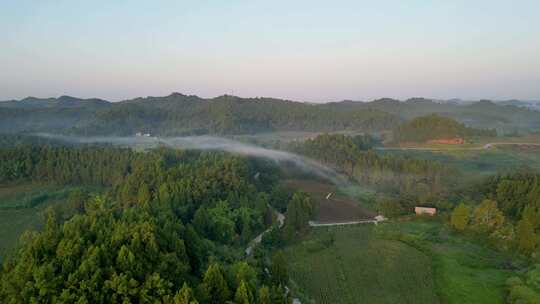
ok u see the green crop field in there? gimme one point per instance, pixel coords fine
(401, 262)
(479, 162)
(358, 267)
(464, 272)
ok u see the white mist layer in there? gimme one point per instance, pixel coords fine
(217, 144)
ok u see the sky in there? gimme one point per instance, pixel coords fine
(302, 50)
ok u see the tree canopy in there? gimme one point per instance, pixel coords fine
(170, 220)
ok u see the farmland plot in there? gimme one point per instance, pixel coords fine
(350, 265)
(333, 206)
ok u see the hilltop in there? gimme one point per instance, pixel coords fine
(438, 128)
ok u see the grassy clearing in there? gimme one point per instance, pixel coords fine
(474, 143)
(464, 272)
(22, 207)
(30, 195)
(13, 223)
(480, 162)
(351, 265)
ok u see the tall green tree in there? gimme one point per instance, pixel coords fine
(299, 211)
(279, 269)
(215, 286)
(264, 296)
(243, 294)
(487, 216)
(144, 196)
(460, 217)
(527, 239)
(185, 296)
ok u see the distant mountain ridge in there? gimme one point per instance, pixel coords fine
(179, 114)
(62, 101)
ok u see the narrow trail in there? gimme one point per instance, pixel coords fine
(316, 224)
(257, 240)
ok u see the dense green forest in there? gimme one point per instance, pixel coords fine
(64, 165)
(434, 126)
(179, 114)
(172, 228)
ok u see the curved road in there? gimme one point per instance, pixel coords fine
(454, 148)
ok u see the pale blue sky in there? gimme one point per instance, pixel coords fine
(304, 50)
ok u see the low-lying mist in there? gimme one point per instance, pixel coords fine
(217, 144)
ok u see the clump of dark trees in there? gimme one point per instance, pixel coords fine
(171, 228)
(435, 126)
(506, 210)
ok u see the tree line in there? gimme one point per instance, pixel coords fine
(101, 166)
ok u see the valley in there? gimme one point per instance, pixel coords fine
(294, 212)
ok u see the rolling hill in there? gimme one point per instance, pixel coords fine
(178, 114)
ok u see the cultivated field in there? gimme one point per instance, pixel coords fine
(351, 265)
(337, 208)
(484, 143)
(464, 272)
(397, 262)
(481, 162)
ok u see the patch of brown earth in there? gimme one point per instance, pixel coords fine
(337, 208)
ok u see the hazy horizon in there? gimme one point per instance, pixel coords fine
(306, 51)
(288, 99)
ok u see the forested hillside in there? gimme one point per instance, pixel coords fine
(406, 181)
(482, 114)
(171, 229)
(435, 127)
(179, 114)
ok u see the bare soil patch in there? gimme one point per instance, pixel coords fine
(337, 208)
